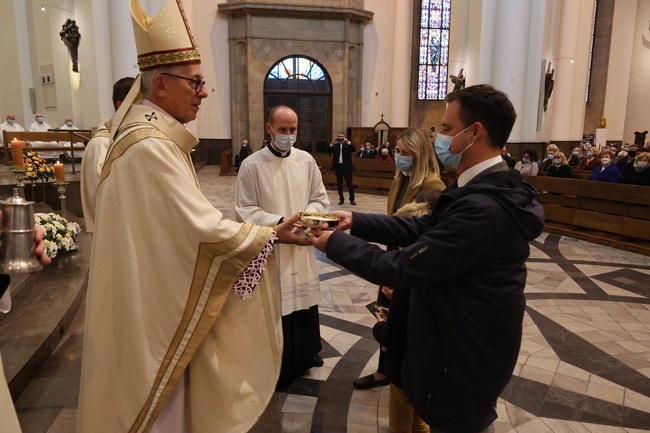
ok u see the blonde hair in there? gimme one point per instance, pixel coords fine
(562, 157)
(611, 154)
(643, 155)
(417, 144)
(552, 147)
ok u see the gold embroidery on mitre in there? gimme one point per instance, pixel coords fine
(165, 39)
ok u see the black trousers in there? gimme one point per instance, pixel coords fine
(340, 174)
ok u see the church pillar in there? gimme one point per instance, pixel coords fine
(514, 63)
(566, 107)
(123, 53)
(400, 83)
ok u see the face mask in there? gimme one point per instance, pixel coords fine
(641, 165)
(549, 156)
(590, 154)
(403, 163)
(525, 159)
(557, 161)
(68, 123)
(39, 119)
(626, 148)
(10, 121)
(605, 161)
(283, 141)
(632, 153)
(442, 145)
(576, 153)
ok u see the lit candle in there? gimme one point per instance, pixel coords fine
(59, 173)
(17, 154)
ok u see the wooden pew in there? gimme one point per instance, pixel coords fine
(72, 136)
(612, 214)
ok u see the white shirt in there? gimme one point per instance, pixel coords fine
(472, 172)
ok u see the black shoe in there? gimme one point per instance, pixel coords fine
(341, 201)
(353, 203)
(367, 382)
(318, 361)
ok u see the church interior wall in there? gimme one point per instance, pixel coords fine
(378, 37)
(595, 107)
(638, 102)
(362, 71)
(11, 100)
(619, 69)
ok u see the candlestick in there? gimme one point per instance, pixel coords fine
(61, 188)
(17, 153)
(59, 172)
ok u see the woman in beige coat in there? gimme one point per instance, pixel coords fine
(416, 170)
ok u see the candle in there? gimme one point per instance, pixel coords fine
(59, 173)
(17, 154)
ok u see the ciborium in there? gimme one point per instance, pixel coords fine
(17, 236)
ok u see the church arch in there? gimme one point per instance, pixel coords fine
(303, 84)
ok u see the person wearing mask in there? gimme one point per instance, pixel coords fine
(528, 164)
(638, 173)
(590, 161)
(342, 149)
(385, 156)
(244, 152)
(632, 151)
(39, 125)
(274, 183)
(68, 124)
(416, 170)
(464, 264)
(548, 162)
(607, 171)
(560, 167)
(9, 125)
(370, 152)
(576, 157)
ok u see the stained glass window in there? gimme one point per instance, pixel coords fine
(297, 74)
(434, 49)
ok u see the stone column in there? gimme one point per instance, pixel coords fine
(400, 83)
(509, 54)
(566, 108)
(123, 53)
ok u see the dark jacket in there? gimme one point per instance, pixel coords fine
(634, 177)
(611, 173)
(559, 171)
(348, 151)
(391, 334)
(465, 265)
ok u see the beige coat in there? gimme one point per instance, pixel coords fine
(431, 182)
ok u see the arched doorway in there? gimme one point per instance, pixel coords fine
(304, 85)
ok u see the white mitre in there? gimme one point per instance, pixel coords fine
(165, 39)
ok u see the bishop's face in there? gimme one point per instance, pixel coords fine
(182, 100)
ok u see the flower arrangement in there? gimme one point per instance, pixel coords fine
(60, 234)
(36, 167)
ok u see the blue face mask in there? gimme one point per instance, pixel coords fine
(442, 145)
(39, 119)
(68, 123)
(549, 156)
(403, 163)
(576, 153)
(10, 121)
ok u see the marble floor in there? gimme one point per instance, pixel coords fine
(584, 365)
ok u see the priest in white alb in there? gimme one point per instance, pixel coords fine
(277, 181)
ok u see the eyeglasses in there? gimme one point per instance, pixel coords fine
(198, 84)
